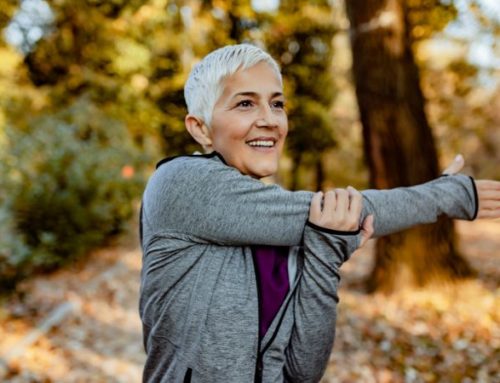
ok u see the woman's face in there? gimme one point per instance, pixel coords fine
(249, 123)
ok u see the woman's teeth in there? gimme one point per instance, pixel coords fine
(262, 144)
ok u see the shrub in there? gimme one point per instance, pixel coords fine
(68, 183)
(13, 251)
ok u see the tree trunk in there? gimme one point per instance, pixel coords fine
(398, 143)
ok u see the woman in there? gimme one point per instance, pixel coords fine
(239, 278)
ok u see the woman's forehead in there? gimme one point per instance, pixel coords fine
(260, 79)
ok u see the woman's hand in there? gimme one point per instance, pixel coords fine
(488, 194)
(488, 191)
(341, 211)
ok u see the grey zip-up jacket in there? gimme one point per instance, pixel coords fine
(199, 296)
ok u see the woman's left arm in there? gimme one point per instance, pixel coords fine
(454, 195)
(331, 235)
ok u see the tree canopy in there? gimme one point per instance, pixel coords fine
(125, 63)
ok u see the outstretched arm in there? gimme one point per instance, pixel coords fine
(401, 208)
(454, 195)
(208, 200)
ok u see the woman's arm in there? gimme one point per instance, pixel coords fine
(397, 209)
(328, 243)
(213, 202)
(315, 304)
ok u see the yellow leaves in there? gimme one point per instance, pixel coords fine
(439, 53)
(428, 335)
(428, 16)
(9, 60)
(153, 12)
(131, 57)
(443, 333)
(15, 92)
(139, 82)
(316, 14)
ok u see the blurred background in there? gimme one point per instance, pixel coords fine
(379, 94)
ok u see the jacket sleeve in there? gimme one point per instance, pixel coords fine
(315, 302)
(400, 208)
(214, 203)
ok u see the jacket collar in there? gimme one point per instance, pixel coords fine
(209, 155)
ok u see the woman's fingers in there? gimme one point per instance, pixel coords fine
(367, 230)
(341, 209)
(315, 209)
(330, 203)
(348, 209)
(492, 214)
(488, 186)
(342, 203)
(489, 204)
(457, 165)
(488, 193)
(355, 202)
(492, 195)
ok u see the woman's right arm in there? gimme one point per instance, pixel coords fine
(214, 203)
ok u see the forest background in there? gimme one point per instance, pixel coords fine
(91, 96)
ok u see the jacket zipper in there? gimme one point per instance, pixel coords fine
(258, 359)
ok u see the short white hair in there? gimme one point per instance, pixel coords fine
(204, 85)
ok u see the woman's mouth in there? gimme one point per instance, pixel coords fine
(264, 143)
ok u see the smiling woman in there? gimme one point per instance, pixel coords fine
(249, 124)
(239, 279)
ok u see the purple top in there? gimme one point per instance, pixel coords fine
(271, 263)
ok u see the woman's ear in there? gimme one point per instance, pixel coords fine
(199, 131)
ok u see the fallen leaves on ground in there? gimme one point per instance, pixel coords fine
(445, 333)
(440, 334)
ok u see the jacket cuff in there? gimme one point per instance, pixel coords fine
(332, 246)
(331, 231)
(474, 191)
(476, 198)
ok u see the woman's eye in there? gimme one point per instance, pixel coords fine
(245, 103)
(278, 104)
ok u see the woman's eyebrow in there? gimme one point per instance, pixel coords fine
(255, 94)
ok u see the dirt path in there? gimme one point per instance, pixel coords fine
(98, 339)
(82, 325)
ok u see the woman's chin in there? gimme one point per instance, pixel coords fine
(264, 171)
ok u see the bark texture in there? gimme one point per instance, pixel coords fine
(398, 142)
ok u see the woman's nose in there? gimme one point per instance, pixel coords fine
(262, 123)
(266, 118)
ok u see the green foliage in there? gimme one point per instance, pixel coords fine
(68, 183)
(127, 57)
(7, 9)
(14, 253)
(109, 78)
(426, 17)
